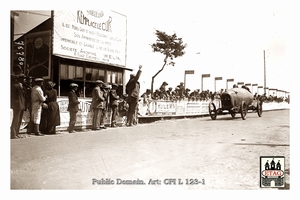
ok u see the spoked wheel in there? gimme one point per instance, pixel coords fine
(212, 111)
(259, 108)
(243, 110)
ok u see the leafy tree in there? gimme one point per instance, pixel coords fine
(169, 45)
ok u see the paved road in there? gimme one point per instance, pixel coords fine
(224, 153)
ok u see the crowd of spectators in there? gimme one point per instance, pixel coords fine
(272, 98)
(181, 93)
(177, 94)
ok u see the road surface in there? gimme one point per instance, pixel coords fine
(220, 154)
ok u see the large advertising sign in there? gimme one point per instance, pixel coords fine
(163, 108)
(90, 35)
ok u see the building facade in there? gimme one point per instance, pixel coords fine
(73, 46)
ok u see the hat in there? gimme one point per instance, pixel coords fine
(105, 85)
(73, 85)
(51, 84)
(132, 75)
(165, 83)
(114, 85)
(38, 79)
(99, 82)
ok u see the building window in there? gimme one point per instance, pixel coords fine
(108, 76)
(79, 73)
(114, 77)
(71, 72)
(63, 72)
(94, 74)
(75, 74)
(120, 78)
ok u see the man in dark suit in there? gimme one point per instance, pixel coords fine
(73, 106)
(97, 105)
(133, 91)
(18, 96)
(114, 103)
(105, 90)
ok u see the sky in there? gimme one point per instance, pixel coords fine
(224, 39)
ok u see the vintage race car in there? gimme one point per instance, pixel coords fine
(235, 100)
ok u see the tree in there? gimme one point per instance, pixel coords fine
(169, 45)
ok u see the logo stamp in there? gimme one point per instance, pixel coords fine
(272, 171)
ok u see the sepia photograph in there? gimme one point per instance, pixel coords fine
(165, 96)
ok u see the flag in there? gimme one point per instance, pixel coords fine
(189, 71)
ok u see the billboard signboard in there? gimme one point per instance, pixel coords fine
(90, 35)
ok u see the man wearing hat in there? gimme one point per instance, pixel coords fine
(133, 90)
(163, 91)
(97, 104)
(105, 89)
(114, 103)
(18, 104)
(169, 93)
(37, 98)
(181, 90)
(73, 106)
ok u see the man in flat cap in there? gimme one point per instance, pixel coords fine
(105, 89)
(18, 104)
(97, 105)
(133, 90)
(73, 106)
(37, 98)
(114, 103)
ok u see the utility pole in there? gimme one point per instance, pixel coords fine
(265, 77)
